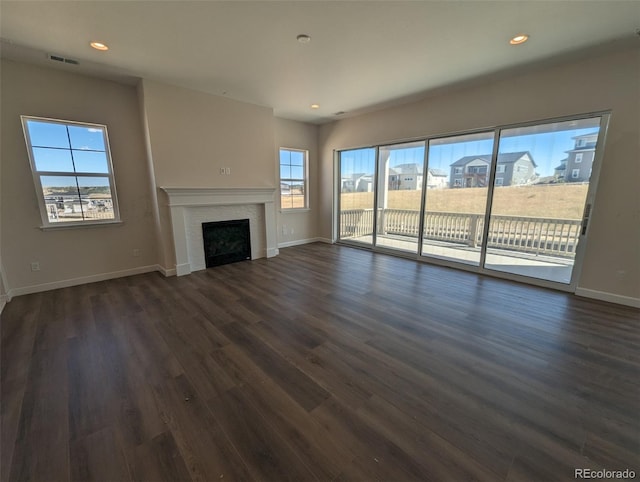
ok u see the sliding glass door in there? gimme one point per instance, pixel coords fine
(512, 201)
(539, 195)
(456, 197)
(400, 180)
(356, 202)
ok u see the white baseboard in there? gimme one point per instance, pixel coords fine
(610, 297)
(166, 272)
(324, 240)
(298, 242)
(26, 290)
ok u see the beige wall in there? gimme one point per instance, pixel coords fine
(299, 135)
(191, 135)
(71, 253)
(606, 81)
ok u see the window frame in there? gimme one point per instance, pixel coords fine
(37, 174)
(575, 173)
(578, 158)
(305, 179)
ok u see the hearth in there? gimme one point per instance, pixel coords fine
(226, 242)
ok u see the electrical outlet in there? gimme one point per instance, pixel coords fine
(222, 171)
(227, 171)
(35, 266)
(136, 252)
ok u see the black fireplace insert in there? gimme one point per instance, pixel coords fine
(226, 242)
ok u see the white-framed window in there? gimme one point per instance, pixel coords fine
(575, 174)
(457, 170)
(294, 179)
(457, 182)
(578, 158)
(499, 181)
(501, 168)
(72, 171)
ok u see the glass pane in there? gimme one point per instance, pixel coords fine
(285, 195)
(285, 156)
(297, 195)
(539, 198)
(297, 172)
(456, 197)
(61, 198)
(400, 177)
(95, 195)
(47, 134)
(285, 172)
(297, 158)
(86, 138)
(89, 161)
(357, 172)
(57, 160)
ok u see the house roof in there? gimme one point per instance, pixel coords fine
(408, 168)
(438, 172)
(563, 164)
(587, 135)
(504, 158)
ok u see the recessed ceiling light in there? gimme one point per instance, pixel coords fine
(519, 39)
(99, 46)
(303, 38)
(315, 106)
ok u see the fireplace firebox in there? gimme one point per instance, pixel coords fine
(226, 242)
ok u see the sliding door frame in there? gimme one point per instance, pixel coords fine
(604, 116)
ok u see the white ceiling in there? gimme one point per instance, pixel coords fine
(362, 53)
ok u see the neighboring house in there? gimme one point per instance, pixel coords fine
(513, 169)
(357, 182)
(405, 177)
(579, 161)
(436, 178)
(560, 170)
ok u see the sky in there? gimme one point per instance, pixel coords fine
(547, 146)
(74, 149)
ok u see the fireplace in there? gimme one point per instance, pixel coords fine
(226, 242)
(190, 207)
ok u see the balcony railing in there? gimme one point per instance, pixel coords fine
(556, 237)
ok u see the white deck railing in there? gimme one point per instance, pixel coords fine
(557, 237)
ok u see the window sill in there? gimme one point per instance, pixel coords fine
(58, 227)
(295, 210)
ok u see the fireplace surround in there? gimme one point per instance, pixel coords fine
(190, 207)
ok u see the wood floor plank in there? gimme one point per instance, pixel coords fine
(266, 454)
(41, 449)
(323, 363)
(299, 386)
(158, 460)
(98, 457)
(207, 452)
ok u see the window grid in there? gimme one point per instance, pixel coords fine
(72, 171)
(293, 179)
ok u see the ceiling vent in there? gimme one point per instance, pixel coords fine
(64, 60)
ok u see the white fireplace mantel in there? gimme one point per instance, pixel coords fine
(183, 202)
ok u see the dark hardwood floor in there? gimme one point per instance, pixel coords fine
(324, 363)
